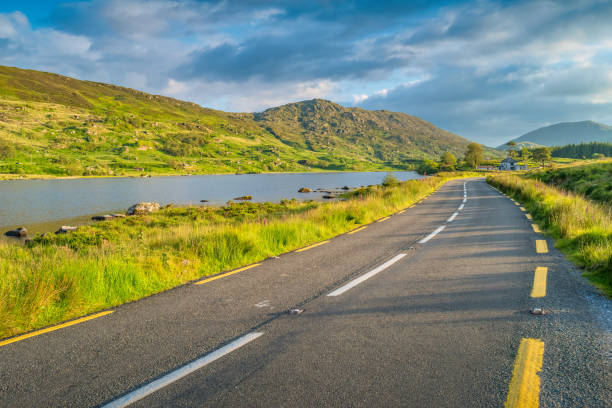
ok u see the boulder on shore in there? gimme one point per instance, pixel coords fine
(18, 233)
(346, 188)
(203, 201)
(143, 208)
(65, 229)
(304, 190)
(102, 217)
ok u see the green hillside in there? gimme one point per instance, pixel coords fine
(566, 133)
(51, 124)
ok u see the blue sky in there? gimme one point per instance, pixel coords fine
(487, 70)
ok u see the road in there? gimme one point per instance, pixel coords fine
(426, 308)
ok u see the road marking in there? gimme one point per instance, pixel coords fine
(461, 207)
(541, 246)
(366, 276)
(53, 328)
(464, 199)
(399, 212)
(536, 228)
(383, 219)
(311, 246)
(223, 275)
(433, 234)
(529, 217)
(356, 230)
(523, 209)
(263, 303)
(181, 372)
(524, 389)
(539, 282)
(452, 217)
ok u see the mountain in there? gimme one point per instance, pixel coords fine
(52, 124)
(566, 133)
(322, 126)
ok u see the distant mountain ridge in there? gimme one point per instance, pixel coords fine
(52, 124)
(565, 133)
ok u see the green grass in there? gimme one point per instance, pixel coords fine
(592, 180)
(582, 228)
(59, 126)
(58, 277)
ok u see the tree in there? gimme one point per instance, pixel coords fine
(511, 144)
(525, 153)
(541, 154)
(474, 155)
(448, 161)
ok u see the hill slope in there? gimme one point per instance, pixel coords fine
(565, 133)
(51, 124)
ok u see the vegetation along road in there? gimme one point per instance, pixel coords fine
(429, 307)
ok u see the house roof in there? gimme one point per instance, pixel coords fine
(509, 160)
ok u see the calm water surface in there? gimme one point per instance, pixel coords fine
(43, 202)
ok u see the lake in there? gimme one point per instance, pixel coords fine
(43, 205)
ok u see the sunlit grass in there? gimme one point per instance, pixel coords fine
(583, 228)
(60, 277)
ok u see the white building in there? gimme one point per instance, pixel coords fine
(510, 164)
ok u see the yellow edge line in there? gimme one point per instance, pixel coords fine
(311, 246)
(356, 230)
(536, 228)
(223, 275)
(539, 282)
(524, 389)
(529, 217)
(383, 219)
(541, 246)
(399, 212)
(53, 328)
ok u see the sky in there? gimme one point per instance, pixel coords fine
(486, 70)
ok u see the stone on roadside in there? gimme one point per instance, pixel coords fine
(143, 208)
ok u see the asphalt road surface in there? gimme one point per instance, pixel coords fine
(427, 308)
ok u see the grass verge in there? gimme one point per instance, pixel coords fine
(582, 228)
(59, 277)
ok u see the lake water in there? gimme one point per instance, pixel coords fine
(41, 204)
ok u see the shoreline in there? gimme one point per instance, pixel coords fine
(25, 177)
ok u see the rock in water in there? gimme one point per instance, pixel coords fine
(18, 233)
(329, 196)
(143, 208)
(346, 188)
(304, 190)
(244, 198)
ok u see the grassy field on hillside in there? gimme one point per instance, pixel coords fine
(582, 228)
(592, 180)
(55, 125)
(59, 277)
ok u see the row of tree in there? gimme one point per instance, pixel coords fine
(583, 150)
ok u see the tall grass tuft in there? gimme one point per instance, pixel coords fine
(583, 228)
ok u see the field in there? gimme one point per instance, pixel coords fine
(58, 277)
(592, 180)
